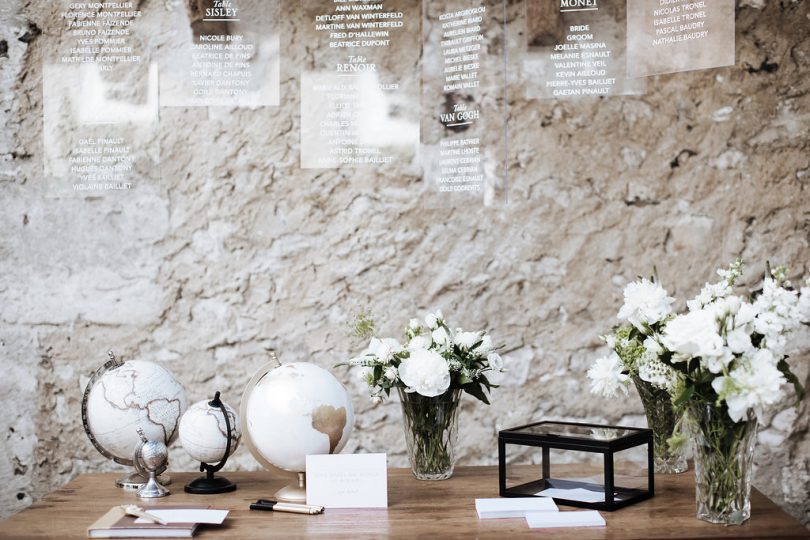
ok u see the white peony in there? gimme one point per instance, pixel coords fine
(645, 303)
(606, 376)
(425, 372)
(495, 361)
(693, 334)
(756, 382)
(466, 340)
(384, 349)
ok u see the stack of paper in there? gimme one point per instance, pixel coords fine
(548, 520)
(512, 508)
(540, 513)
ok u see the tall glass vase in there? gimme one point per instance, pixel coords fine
(431, 432)
(724, 455)
(662, 420)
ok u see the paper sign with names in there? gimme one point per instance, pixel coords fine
(464, 102)
(100, 103)
(576, 49)
(360, 86)
(666, 36)
(222, 53)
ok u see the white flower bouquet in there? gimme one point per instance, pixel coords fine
(430, 371)
(433, 360)
(634, 358)
(724, 362)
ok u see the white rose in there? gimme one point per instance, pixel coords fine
(693, 334)
(441, 338)
(422, 341)
(466, 340)
(645, 303)
(414, 325)
(495, 361)
(425, 372)
(384, 349)
(487, 346)
(433, 319)
(652, 345)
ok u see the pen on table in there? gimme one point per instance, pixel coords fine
(137, 511)
(275, 506)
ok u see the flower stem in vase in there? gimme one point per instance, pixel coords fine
(431, 432)
(663, 421)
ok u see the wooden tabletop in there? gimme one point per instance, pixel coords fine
(416, 509)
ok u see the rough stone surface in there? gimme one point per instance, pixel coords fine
(239, 250)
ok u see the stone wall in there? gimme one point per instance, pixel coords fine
(239, 250)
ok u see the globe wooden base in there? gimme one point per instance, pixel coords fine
(210, 486)
(294, 493)
(135, 481)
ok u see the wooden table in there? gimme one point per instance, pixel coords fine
(416, 509)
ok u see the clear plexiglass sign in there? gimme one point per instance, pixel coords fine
(576, 48)
(221, 53)
(100, 102)
(665, 36)
(359, 97)
(464, 102)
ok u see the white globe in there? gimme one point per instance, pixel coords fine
(293, 411)
(203, 432)
(137, 394)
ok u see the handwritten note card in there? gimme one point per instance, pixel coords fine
(347, 480)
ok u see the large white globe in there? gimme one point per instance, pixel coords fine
(138, 394)
(293, 411)
(203, 432)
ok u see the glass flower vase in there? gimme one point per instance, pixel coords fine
(662, 420)
(431, 432)
(724, 456)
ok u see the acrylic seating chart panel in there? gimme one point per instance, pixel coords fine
(464, 102)
(100, 103)
(360, 84)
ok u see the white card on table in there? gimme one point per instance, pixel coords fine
(347, 480)
(549, 520)
(208, 516)
(512, 507)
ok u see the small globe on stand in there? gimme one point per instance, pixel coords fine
(291, 411)
(209, 433)
(124, 397)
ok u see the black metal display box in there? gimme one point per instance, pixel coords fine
(570, 442)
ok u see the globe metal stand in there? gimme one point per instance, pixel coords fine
(132, 481)
(292, 493)
(210, 484)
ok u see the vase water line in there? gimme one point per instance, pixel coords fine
(724, 458)
(431, 432)
(662, 420)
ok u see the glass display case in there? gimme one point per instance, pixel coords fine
(577, 464)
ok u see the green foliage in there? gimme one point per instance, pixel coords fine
(362, 327)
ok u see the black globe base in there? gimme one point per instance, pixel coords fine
(209, 486)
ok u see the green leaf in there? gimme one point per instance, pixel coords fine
(784, 367)
(476, 391)
(687, 393)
